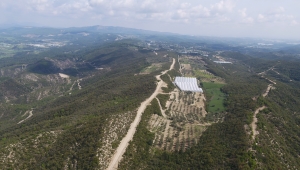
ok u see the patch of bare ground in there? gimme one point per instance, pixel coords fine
(31, 77)
(186, 69)
(64, 76)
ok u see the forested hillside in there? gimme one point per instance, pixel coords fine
(69, 104)
(67, 130)
(229, 144)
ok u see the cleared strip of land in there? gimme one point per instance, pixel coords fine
(253, 124)
(125, 141)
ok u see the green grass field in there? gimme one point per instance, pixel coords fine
(151, 68)
(216, 96)
(202, 74)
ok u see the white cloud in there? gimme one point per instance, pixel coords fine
(128, 5)
(245, 18)
(248, 20)
(189, 13)
(96, 2)
(261, 18)
(199, 14)
(39, 5)
(167, 10)
(294, 22)
(74, 7)
(2, 4)
(243, 12)
(277, 16)
(276, 11)
(223, 6)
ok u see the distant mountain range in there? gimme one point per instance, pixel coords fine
(220, 43)
(12, 28)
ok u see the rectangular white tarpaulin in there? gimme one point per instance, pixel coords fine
(187, 84)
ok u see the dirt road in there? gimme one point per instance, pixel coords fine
(268, 90)
(253, 124)
(161, 109)
(125, 141)
(29, 116)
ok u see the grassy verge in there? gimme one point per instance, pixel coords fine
(215, 96)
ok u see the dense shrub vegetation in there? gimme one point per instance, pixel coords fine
(66, 130)
(81, 116)
(226, 145)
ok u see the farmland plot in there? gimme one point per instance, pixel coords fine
(183, 124)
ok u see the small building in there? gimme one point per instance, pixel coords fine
(187, 84)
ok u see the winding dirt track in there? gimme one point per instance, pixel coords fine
(268, 90)
(161, 109)
(29, 116)
(253, 124)
(125, 141)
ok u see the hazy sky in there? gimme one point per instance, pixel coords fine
(231, 18)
